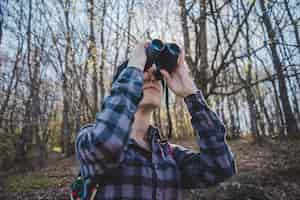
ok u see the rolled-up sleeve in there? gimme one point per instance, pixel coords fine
(215, 161)
(100, 145)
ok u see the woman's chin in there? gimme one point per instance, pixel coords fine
(149, 105)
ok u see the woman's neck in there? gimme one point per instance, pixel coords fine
(142, 120)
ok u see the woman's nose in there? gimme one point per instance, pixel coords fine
(149, 74)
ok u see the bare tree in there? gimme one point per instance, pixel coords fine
(92, 53)
(103, 50)
(66, 124)
(25, 139)
(2, 7)
(290, 121)
(129, 9)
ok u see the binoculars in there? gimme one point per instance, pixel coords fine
(163, 55)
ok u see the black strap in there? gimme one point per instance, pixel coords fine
(169, 136)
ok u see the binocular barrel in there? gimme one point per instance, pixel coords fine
(163, 55)
(153, 51)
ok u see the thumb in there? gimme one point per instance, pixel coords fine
(165, 74)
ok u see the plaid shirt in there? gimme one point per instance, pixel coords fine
(131, 172)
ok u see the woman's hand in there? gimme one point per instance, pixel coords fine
(179, 81)
(138, 56)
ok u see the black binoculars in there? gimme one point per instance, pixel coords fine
(163, 55)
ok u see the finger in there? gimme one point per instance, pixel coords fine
(146, 44)
(181, 58)
(166, 75)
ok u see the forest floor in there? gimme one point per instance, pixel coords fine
(270, 171)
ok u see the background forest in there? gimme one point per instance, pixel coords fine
(58, 57)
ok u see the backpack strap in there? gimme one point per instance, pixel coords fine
(84, 188)
(167, 147)
(170, 150)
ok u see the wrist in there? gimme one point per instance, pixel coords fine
(192, 89)
(188, 93)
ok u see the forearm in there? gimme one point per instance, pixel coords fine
(215, 162)
(206, 122)
(102, 144)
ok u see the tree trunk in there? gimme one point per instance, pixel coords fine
(186, 34)
(291, 123)
(266, 114)
(253, 112)
(294, 24)
(26, 135)
(129, 9)
(9, 90)
(231, 116)
(202, 74)
(116, 57)
(237, 113)
(278, 110)
(92, 54)
(295, 99)
(24, 142)
(200, 70)
(103, 55)
(1, 20)
(65, 127)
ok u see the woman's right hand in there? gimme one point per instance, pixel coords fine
(138, 56)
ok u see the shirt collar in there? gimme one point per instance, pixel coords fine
(153, 133)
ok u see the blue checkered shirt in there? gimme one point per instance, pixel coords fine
(104, 148)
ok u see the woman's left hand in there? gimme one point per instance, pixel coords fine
(179, 81)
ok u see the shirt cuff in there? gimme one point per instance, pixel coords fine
(195, 102)
(136, 68)
(130, 80)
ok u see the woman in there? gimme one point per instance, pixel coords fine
(122, 152)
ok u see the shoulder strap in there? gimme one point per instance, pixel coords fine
(84, 188)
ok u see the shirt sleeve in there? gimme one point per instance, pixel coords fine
(100, 146)
(215, 162)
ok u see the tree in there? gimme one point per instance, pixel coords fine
(290, 121)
